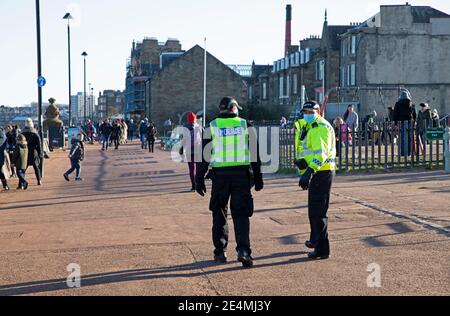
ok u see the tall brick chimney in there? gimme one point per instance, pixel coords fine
(288, 41)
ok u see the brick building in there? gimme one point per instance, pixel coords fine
(145, 60)
(110, 103)
(178, 87)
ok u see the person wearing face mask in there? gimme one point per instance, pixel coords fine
(316, 160)
(236, 167)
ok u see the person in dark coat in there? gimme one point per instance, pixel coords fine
(35, 154)
(403, 114)
(76, 156)
(403, 111)
(105, 131)
(20, 161)
(151, 137)
(424, 121)
(3, 153)
(115, 134)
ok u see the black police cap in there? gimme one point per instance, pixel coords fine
(228, 102)
(311, 105)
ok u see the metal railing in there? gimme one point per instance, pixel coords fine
(382, 145)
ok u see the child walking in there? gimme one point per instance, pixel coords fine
(76, 156)
(20, 161)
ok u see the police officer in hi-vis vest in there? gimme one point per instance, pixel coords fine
(235, 169)
(316, 161)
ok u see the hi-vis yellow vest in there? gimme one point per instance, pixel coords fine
(318, 149)
(230, 143)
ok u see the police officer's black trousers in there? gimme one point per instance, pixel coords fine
(237, 187)
(319, 202)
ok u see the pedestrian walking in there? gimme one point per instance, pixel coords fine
(143, 130)
(191, 146)
(152, 132)
(11, 136)
(316, 153)
(116, 134)
(4, 157)
(131, 130)
(76, 156)
(123, 132)
(35, 154)
(105, 132)
(231, 175)
(20, 161)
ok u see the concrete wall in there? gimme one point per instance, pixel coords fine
(403, 54)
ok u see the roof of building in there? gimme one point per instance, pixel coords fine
(333, 35)
(423, 14)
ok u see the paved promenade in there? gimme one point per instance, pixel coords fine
(134, 229)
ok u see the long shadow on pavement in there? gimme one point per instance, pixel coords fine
(191, 270)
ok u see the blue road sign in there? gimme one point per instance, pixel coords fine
(41, 81)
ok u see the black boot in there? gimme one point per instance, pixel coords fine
(5, 185)
(245, 259)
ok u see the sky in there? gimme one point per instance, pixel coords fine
(237, 32)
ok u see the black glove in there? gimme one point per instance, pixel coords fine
(305, 180)
(200, 186)
(259, 183)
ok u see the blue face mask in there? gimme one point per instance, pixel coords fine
(310, 118)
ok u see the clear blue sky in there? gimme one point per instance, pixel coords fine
(238, 31)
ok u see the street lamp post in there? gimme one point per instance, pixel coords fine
(68, 17)
(39, 65)
(84, 54)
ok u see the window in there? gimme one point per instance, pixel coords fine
(353, 50)
(320, 69)
(288, 86)
(264, 91)
(307, 55)
(302, 57)
(250, 93)
(344, 47)
(353, 74)
(295, 84)
(281, 87)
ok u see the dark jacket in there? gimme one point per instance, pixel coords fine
(2, 150)
(256, 166)
(403, 111)
(20, 157)
(77, 150)
(115, 131)
(152, 132)
(423, 121)
(105, 129)
(143, 128)
(34, 146)
(436, 122)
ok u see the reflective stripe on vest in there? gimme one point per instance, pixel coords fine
(230, 147)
